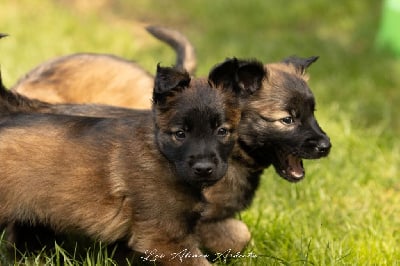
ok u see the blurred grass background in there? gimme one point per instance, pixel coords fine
(346, 211)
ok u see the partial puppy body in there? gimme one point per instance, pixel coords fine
(77, 78)
(277, 128)
(138, 179)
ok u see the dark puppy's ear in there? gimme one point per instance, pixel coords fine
(250, 76)
(301, 64)
(242, 76)
(223, 74)
(167, 80)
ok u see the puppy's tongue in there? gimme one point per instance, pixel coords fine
(295, 168)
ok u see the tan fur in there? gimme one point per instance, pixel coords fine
(76, 79)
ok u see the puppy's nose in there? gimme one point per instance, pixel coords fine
(203, 169)
(323, 146)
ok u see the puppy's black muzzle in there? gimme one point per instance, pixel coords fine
(206, 170)
(316, 148)
(318, 143)
(203, 169)
(323, 147)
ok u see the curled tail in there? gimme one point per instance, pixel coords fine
(12, 102)
(7, 100)
(185, 52)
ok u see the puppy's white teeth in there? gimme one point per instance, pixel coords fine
(296, 173)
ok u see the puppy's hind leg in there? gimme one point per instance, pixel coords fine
(30, 238)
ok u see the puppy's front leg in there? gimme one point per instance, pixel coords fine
(221, 236)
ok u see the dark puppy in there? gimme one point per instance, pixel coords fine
(137, 180)
(76, 78)
(277, 128)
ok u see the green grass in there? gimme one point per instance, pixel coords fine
(94, 255)
(346, 211)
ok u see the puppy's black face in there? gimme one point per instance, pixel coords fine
(195, 130)
(279, 126)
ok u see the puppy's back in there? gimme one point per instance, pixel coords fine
(88, 78)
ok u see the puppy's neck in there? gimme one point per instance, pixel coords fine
(241, 155)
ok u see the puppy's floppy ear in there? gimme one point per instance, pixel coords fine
(250, 76)
(167, 80)
(242, 76)
(223, 74)
(300, 64)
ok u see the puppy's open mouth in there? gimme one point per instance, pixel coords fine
(290, 167)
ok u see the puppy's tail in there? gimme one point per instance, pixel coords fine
(5, 99)
(3, 89)
(12, 102)
(185, 52)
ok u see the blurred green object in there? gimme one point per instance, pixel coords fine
(389, 31)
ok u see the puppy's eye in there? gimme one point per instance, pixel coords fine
(180, 135)
(222, 132)
(287, 120)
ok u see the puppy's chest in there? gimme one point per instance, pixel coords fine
(187, 203)
(190, 211)
(232, 193)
